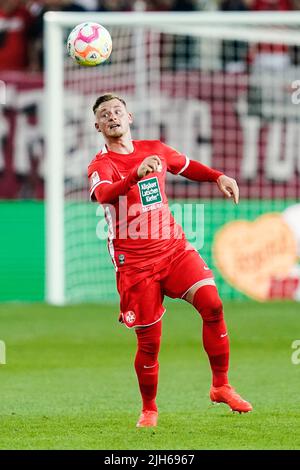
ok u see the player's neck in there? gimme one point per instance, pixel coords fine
(122, 145)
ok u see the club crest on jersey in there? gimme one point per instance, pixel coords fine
(95, 178)
(129, 317)
(149, 192)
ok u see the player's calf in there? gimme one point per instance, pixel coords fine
(147, 368)
(215, 337)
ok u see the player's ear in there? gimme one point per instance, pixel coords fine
(97, 127)
(130, 117)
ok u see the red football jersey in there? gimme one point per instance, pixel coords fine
(142, 229)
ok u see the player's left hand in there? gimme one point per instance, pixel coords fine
(228, 186)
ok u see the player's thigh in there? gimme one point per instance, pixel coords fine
(186, 272)
(141, 301)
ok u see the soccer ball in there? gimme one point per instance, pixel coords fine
(89, 44)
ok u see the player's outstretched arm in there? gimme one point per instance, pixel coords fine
(228, 186)
(196, 171)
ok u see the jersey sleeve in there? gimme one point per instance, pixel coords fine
(99, 172)
(176, 162)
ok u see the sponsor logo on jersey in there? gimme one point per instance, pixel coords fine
(121, 259)
(95, 178)
(150, 191)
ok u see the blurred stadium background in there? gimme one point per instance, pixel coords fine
(222, 89)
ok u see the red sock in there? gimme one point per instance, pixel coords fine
(215, 338)
(146, 364)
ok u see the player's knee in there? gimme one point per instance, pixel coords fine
(212, 311)
(149, 339)
(147, 354)
(208, 303)
(149, 347)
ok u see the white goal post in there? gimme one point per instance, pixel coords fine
(155, 56)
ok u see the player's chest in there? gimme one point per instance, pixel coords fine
(149, 192)
(123, 166)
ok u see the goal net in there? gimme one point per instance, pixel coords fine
(222, 89)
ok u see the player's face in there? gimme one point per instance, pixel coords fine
(113, 119)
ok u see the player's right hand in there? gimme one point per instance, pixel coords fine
(149, 165)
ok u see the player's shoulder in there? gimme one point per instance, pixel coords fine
(151, 145)
(101, 158)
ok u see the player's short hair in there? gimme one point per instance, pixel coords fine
(106, 97)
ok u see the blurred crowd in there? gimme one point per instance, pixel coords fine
(21, 21)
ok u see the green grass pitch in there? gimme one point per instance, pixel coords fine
(69, 381)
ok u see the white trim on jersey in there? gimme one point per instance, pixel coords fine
(104, 149)
(96, 186)
(187, 162)
(110, 236)
(204, 282)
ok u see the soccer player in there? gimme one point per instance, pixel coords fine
(128, 178)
